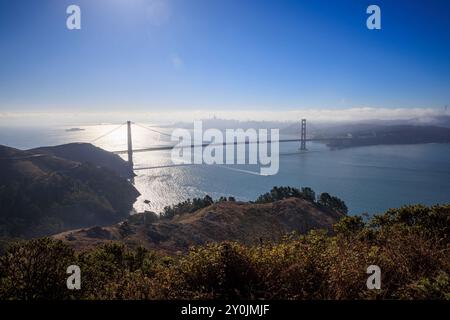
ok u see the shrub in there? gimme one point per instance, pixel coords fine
(35, 269)
(410, 245)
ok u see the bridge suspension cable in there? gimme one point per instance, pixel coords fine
(153, 130)
(108, 133)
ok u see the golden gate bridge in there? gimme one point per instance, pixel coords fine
(130, 151)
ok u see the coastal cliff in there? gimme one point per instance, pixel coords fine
(43, 193)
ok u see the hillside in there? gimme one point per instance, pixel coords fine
(377, 133)
(88, 153)
(409, 244)
(41, 194)
(248, 223)
(398, 134)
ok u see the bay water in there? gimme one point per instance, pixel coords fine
(369, 179)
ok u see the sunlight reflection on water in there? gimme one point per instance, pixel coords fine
(369, 179)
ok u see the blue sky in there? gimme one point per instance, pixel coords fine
(258, 55)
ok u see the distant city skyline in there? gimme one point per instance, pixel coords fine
(62, 118)
(222, 57)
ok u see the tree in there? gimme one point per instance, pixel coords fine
(188, 206)
(281, 193)
(308, 194)
(332, 202)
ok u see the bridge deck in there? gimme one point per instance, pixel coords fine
(160, 148)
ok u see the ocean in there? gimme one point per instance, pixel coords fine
(369, 179)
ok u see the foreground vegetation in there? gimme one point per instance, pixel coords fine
(410, 245)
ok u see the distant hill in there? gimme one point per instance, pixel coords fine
(43, 194)
(395, 134)
(248, 223)
(432, 128)
(86, 152)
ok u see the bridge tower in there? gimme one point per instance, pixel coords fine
(130, 145)
(303, 136)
